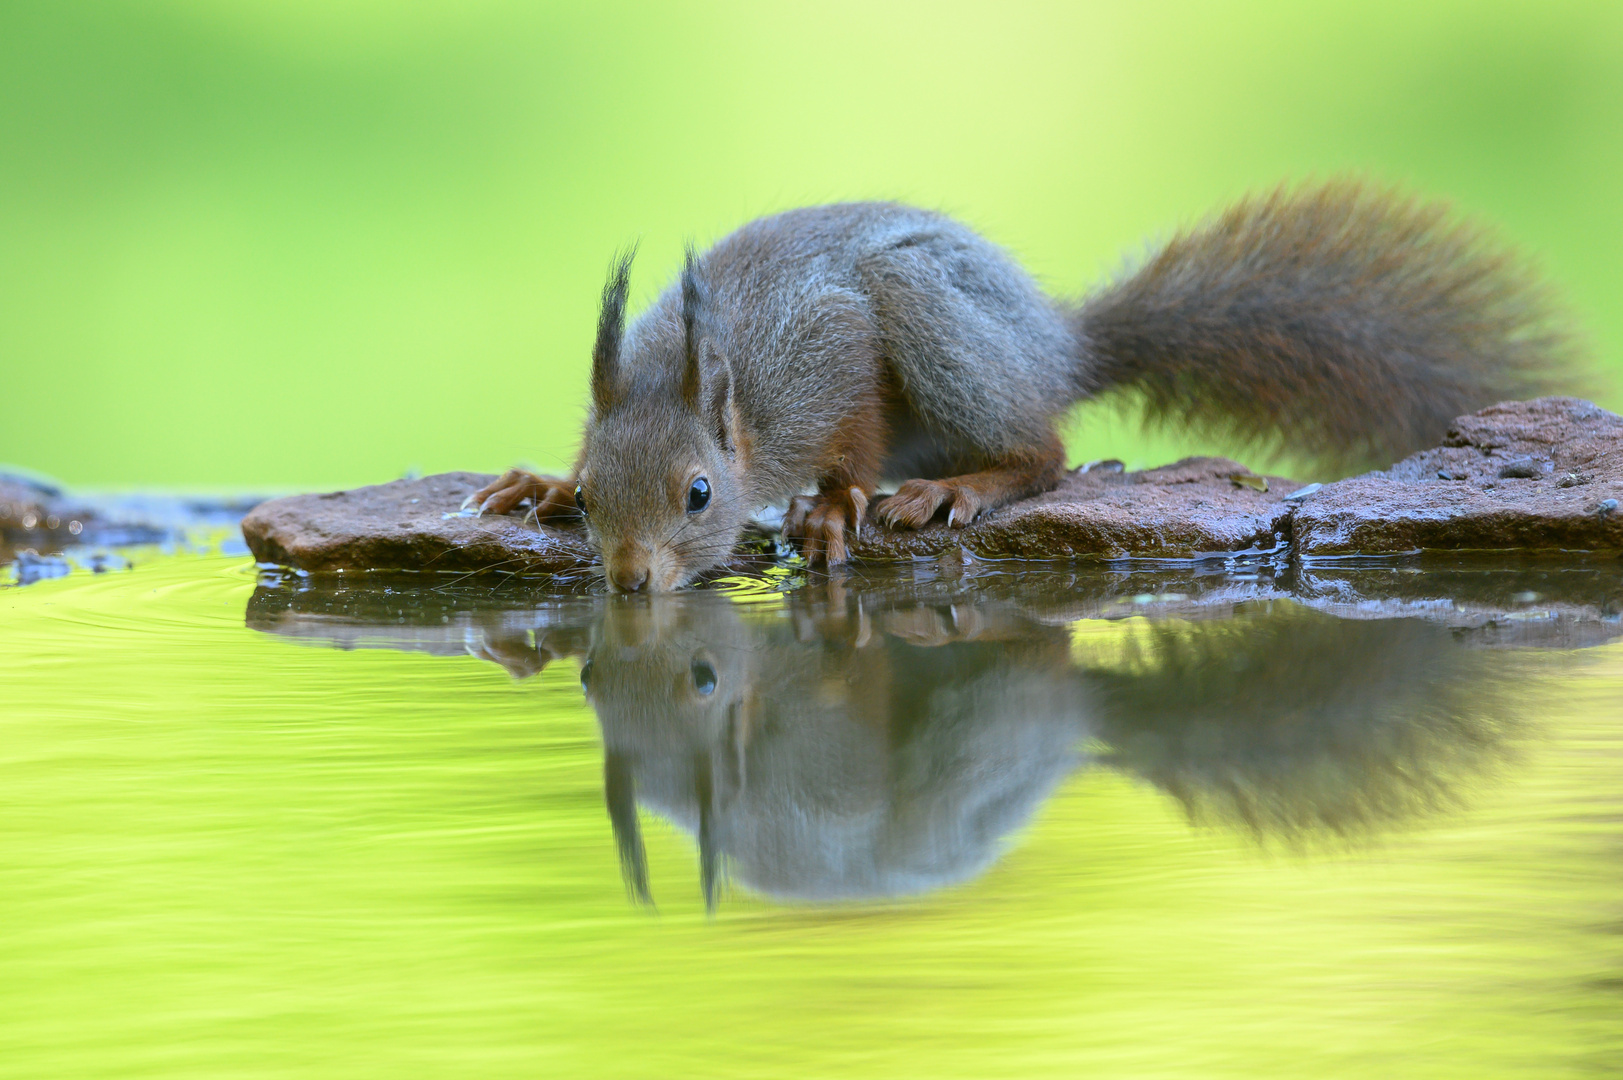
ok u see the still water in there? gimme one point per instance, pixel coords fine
(1044, 823)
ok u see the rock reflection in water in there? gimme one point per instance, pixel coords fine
(845, 745)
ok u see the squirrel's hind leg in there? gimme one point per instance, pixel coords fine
(969, 496)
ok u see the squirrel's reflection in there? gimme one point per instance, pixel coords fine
(820, 750)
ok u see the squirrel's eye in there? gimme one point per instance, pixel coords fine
(580, 500)
(586, 676)
(698, 495)
(704, 677)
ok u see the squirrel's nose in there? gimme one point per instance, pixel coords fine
(629, 579)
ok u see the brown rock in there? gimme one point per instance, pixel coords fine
(37, 515)
(407, 525)
(1536, 476)
(1178, 511)
(22, 505)
(1523, 476)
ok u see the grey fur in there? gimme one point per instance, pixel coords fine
(829, 346)
(818, 765)
(811, 305)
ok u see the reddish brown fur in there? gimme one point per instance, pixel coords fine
(969, 496)
(846, 484)
(1344, 323)
(821, 348)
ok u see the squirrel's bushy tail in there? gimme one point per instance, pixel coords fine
(1340, 324)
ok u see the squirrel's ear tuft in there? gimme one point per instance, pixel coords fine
(704, 794)
(620, 792)
(611, 329)
(692, 331)
(707, 384)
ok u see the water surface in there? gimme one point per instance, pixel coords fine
(1056, 822)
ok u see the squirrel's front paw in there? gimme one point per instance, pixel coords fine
(820, 522)
(917, 501)
(552, 497)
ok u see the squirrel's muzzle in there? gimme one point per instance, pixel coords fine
(628, 578)
(631, 567)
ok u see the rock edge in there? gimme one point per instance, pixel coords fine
(1536, 476)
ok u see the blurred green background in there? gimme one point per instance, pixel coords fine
(256, 244)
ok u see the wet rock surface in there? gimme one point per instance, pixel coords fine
(1180, 511)
(1543, 475)
(36, 511)
(1540, 476)
(44, 530)
(408, 525)
(1486, 601)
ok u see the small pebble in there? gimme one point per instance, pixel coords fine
(1572, 479)
(1607, 506)
(100, 562)
(1444, 474)
(1302, 492)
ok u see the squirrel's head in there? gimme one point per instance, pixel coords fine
(662, 474)
(671, 679)
(765, 739)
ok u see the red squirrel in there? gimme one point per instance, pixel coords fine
(825, 348)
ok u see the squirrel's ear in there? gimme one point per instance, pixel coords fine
(707, 383)
(704, 794)
(620, 792)
(720, 409)
(611, 328)
(692, 346)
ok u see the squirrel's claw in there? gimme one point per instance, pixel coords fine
(820, 522)
(552, 497)
(794, 518)
(913, 505)
(917, 501)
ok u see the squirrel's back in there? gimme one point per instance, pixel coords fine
(830, 348)
(808, 304)
(1339, 323)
